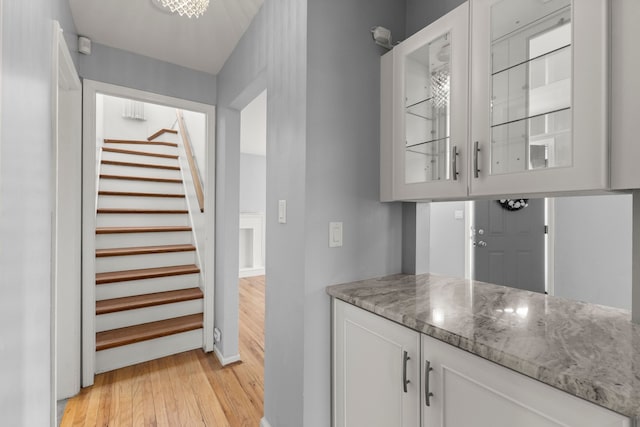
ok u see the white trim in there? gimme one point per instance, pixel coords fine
(264, 422)
(91, 88)
(224, 361)
(251, 272)
(550, 215)
(66, 125)
(468, 250)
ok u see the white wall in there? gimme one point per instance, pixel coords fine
(593, 249)
(26, 178)
(447, 241)
(196, 128)
(118, 127)
(253, 126)
(253, 183)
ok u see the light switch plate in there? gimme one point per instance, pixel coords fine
(282, 211)
(335, 234)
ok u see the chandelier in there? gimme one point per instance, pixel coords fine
(191, 8)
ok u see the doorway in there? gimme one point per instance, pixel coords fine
(508, 243)
(252, 230)
(93, 91)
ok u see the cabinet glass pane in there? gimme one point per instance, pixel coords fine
(427, 96)
(530, 85)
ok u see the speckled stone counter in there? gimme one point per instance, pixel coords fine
(588, 350)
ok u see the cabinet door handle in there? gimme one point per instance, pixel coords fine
(405, 381)
(454, 163)
(427, 393)
(476, 168)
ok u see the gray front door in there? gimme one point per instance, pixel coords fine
(509, 245)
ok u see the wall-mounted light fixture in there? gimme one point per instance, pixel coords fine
(382, 36)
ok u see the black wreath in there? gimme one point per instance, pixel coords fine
(513, 204)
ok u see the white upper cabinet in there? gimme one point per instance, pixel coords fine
(425, 114)
(538, 96)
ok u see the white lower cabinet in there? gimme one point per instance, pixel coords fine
(471, 391)
(377, 381)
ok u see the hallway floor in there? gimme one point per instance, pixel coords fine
(187, 389)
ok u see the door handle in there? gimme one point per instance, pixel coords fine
(454, 163)
(405, 381)
(427, 393)
(476, 166)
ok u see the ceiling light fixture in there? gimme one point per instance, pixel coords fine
(191, 8)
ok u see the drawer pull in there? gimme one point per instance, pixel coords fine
(476, 167)
(427, 393)
(405, 381)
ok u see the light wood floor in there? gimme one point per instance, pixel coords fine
(187, 389)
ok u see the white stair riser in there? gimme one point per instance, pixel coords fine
(118, 357)
(146, 286)
(135, 220)
(135, 262)
(149, 148)
(128, 240)
(139, 171)
(122, 319)
(137, 158)
(141, 186)
(134, 202)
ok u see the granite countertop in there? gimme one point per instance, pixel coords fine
(588, 350)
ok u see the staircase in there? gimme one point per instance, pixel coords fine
(149, 303)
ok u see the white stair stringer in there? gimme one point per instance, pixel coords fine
(152, 181)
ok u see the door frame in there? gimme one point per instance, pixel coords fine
(89, 197)
(549, 244)
(66, 179)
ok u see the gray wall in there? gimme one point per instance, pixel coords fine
(25, 209)
(421, 13)
(447, 244)
(119, 67)
(253, 188)
(342, 173)
(241, 79)
(593, 249)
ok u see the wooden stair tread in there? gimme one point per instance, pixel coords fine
(160, 132)
(142, 250)
(134, 194)
(141, 211)
(152, 229)
(147, 331)
(142, 142)
(140, 165)
(140, 178)
(147, 300)
(145, 273)
(139, 153)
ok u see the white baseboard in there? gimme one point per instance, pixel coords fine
(250, 272)
(264, 422)
(224, 361)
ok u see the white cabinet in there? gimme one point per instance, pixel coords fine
(376, 381)
(424, 112)
(383, 373)
(527, 114)
(539, 96)
(471, 391)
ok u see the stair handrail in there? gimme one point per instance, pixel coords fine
(195, 173)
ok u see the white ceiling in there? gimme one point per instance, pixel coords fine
(139, 26)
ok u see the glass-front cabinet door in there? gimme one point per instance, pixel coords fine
(539, 96)
(430, 107)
